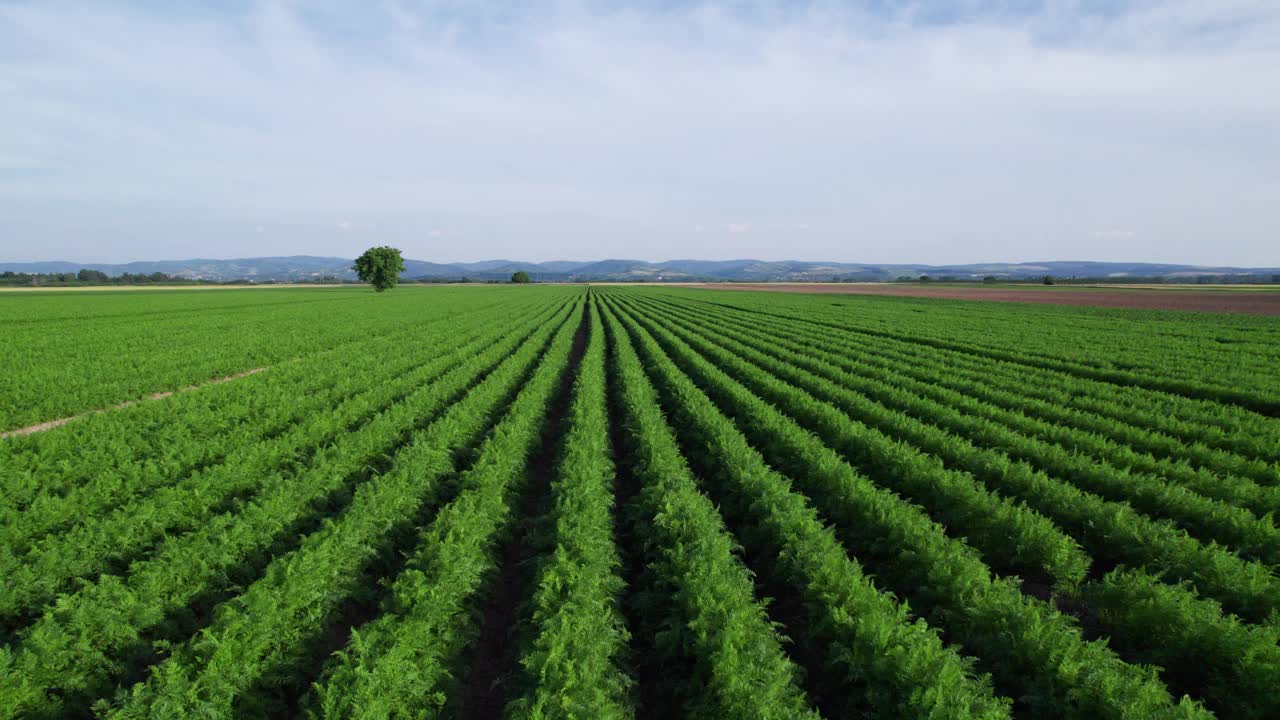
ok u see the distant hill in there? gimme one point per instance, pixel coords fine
(309, 267)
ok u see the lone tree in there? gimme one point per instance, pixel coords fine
(521, 277)
(1047, 280)
(380, 267)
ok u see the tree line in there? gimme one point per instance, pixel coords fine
(90, 277)
(87, 278)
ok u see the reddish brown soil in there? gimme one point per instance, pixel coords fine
(1253, 302)
(49, 425)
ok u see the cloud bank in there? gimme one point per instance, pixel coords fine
(936, 133)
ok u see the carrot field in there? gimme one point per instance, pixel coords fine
(634, 502)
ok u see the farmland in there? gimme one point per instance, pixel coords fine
(544, 502)
(1256, 299)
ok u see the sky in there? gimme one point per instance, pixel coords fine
(930, 132)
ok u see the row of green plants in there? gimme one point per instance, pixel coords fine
(1037, 655)
(264, 638)
(1167, 424)
(1012, 537)
(1232, 665)
(1113, 427)
(1218, 425)
(411, 655)
(195, 429)
(43, 499)
(103, 542)
(875, 657)
(1237, 657)
(358, 385)
(1114, 531)
(69, 354)
(185, 340)
(1187, 420)
(1216, 350)
(150, 441)
(968, 418)
(712, 640)
(374, 516)
(1018, 398)
(576, 637)
(85, 644)
(1024, 345)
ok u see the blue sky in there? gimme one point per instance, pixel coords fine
(929, 132)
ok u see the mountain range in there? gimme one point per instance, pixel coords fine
(307, 267)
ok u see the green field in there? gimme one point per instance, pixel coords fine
(571, 502)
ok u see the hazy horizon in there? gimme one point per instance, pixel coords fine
(936, 133)
(4, 262)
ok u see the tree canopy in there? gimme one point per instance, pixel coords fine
(380, 267)
(521, 277)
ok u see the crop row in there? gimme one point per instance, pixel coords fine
(1110, 530)
(1106, 427)
(865, 638)
(577, 637)
(1162, 496)
(701, 613)
(197, 429)
(1034, 653)
(1090, 458)
(165, 341)
(91, 638)
(624, 502)
(111, 540)
(1021, 343)
(267, 630)
(1008, 533)
(1212, 643)
(344, 392)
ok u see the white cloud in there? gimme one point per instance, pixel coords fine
(736, 228)
(609, 131)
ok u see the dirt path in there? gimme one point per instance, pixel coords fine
(1253, 302)
(50, 424)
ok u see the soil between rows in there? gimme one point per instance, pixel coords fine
(484, 694)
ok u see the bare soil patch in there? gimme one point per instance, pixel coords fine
(1255, 303)
(50, 424)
